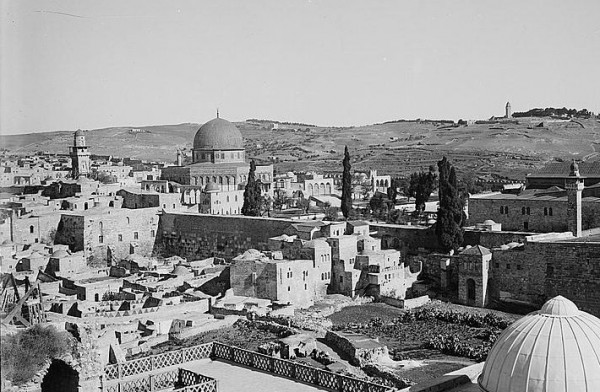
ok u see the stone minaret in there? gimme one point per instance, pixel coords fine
(574, 185)
(508, 113)
(179, 158)
(80, 156)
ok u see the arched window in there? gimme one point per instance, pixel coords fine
(522, 210)
(550, 211)
(501, 209)
(128, 221)
(101, 224)
(31, 229)
(528, 211)
(545, 211)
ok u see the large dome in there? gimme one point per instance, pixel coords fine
(554, 349)
(218, 134)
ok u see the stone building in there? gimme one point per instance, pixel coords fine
(474, 264)
(219, 157)
(110, 234)
(557, 174)
(297, 282)
(80, 156)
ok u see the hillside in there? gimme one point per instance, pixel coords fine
(510, 149)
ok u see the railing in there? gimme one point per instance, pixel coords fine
(159, 361)
(293, 370)
(182, 379)
(216, 350)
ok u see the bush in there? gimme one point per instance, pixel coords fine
(27, 352)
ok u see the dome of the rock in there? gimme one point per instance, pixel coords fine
(555, 349)
(218, 134)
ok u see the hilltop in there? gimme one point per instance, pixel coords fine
(509, 148)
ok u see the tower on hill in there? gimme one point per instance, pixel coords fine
(508, 113)
(80, 156)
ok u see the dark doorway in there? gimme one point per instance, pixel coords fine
(470, 291)
(60, 378)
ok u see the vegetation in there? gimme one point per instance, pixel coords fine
(421, 186)
(252, 196)
(26, 353)
(450, 217)
(549, 112)
(392, 191)
(346, 185)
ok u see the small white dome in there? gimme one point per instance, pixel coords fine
(556, 349)
(489, 222)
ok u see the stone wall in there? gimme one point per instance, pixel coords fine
(122, 230)
(481, 209)
(515, 274)
(197, 236)
(399, 236)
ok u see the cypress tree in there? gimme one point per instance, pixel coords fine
(252, 199)
(450, 215)
(346, 185)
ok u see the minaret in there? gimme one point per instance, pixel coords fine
(574, 186)
(508, 113)
(179, 158)
(80, 156)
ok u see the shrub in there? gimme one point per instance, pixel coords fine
(26, 353)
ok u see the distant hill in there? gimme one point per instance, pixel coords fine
(511, 149)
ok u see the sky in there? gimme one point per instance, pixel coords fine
(69, 64)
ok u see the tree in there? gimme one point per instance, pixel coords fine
(404, 185)
(252, 194)
(377, 205)
(346, 185)
(26, 352)
(331, 213)
(421, 186)
(392, 191)
(450, 213)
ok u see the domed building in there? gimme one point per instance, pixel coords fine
(556, 349)
(216, 177)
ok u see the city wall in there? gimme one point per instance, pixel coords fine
(198, 236)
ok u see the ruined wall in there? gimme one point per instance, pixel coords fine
(197, 236)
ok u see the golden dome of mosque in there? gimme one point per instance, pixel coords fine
(555, 349)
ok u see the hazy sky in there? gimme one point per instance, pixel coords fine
(68, 64)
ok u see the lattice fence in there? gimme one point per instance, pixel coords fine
(293, 370)
(193, 382)
(159, 361)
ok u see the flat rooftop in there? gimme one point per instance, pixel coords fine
(235, 378)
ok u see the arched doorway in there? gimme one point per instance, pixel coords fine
(470, 291)
(60, 378)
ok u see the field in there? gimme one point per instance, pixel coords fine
(398, 148)
(409, 339)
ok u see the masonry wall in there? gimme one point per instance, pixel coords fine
(397, 236)
(35, 229)
(516, 275)
(197, 236)
(572, 270)
(481, 209)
